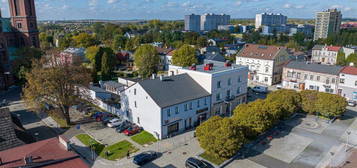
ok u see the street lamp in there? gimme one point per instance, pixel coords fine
(348, 134)
(6, 74)
(158, 141)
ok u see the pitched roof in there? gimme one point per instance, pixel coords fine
(214, 56)
(258, 51)
(8, 138)
(173, 90)
(48, 153)
(319, 68)
(349, 70)
(163, 51)
(318, 47)
(333, 48)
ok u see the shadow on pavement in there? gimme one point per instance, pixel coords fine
(85, 154)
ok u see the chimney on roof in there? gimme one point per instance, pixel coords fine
(153, 76)
(28, 160)
(161, 78)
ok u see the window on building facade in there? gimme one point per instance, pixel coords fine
(19, 25)
(198, 103)
(238, 90)
(218, 97)
(176, 110)
(327, 90)
(305, 76)
(138, 119)
(266, 69)
(135, 104)
(168, 112)
(266, 79)
(318, 78)
(289, 74)
(219, 84)
(311, 77)
(298, 75)
(228, 94)
(355, 83)
(333, 80)
(327, 81)
(185, 106)
(239, 79)
(205, 101)
(342, 80)
(311, 87)
(190, 105)
(134, 91)
(229, 82)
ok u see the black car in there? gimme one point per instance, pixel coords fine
(196, 163)
(123, 126)
(145, 157)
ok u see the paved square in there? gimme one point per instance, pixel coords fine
(102, 133)
(246, 163)
(285, 148)
(352, 138)
(309, 124)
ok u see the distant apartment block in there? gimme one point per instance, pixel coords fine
(211, 21)
(289, 29)
(193, 23)
(325, 54)
(327, 22)
(265, 63)
(310, 76)
(270, 19)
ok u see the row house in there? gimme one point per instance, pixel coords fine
(325, 54)
(348, 83)
(166, 106)
(265, 63)
(308, 76)
(226, 82)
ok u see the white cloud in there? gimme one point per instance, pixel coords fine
(112, 1)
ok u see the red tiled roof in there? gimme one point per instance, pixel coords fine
(161, 50)
(333, 48)
(349, 70)
(42, 152)
(260, 51)
(171, 53)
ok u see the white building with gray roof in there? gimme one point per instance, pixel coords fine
(309, 76)
(226, 82)
(166, 106)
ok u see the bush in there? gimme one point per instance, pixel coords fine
(220, 137)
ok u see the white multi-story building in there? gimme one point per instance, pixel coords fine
(265, 62)
(211, 21)
(226, 83)
(326, 23)
(325, 54)
(348, 83)
(348, 50)
(308, 76)
(270, 19)
(166, 106)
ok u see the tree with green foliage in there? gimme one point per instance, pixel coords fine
(84, 40)
(352, 58)
(184, 56)
(146, 60)
(119, 42)
(308, 101)
(220, 137)
(253, 117)
(191, 38)
(289, 100)
(341, 58)
(22, 62)
(330, 105)
(202, 41)
(108, 62)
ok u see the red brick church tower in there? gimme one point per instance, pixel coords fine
(23, 20)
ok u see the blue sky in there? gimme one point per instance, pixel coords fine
(175, 9)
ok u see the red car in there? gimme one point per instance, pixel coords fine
(132, 130)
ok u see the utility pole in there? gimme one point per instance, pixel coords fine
(348, 134)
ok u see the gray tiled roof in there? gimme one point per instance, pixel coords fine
(173, 90)
(8, 138)
(318, 47)
(326, 69)
(113, 84)
(215, 57)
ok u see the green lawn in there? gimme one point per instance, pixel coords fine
(212, 159)
(118, 150)
(87, 140)
(144, 138)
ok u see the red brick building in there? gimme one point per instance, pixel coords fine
(20, 30)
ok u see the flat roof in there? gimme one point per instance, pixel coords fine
(217, 67)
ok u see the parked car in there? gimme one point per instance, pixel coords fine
(351, 103)
(197, 163)
(260, 89)
(106, 119)
(114, 122)
(123, 126)
(145, 157)
(99, 116)
(279, 86)
(132, 130)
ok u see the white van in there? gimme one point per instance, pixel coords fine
(260, 89)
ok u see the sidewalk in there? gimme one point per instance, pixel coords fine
(51, 123)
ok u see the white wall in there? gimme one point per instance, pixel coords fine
(148, 112)
(260, 66)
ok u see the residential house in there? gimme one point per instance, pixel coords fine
(227, 83)
(50, 153)
(71, 56)
(168, 105)
(325, 54)
(348, 50)
(265, 63)
(348, 83)
(165, 57)
(125, 58)
(308, 76)
(214, 56)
